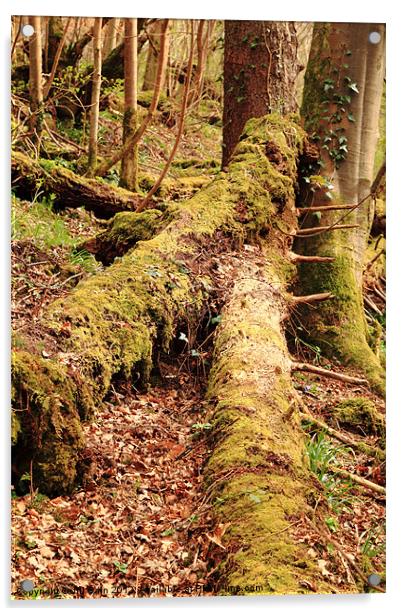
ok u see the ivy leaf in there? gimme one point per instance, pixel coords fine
(318, 215)
(254, 498)
(351, 117)
(182, 336)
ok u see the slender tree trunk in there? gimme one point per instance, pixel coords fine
(132, 141)
(55, 30)
(35, 77)
(260, 69)
(110, 41)
(342, 99)
(129, 163)
(96, 85)
(180, 128)
(56, 60)
(154, 45)
(202, 49)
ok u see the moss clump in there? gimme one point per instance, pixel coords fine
(123, 232)
(360, 415)
(48, 430)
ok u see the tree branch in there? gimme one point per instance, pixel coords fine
(316, 230)
(338, 376)
(306, 299)
(295, 258)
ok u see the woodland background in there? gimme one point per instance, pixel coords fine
(242, 278)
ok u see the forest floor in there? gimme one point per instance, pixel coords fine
(142, 524)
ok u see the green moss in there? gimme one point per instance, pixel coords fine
(270, 562)
(361, 415)
(338, 326)
(257, 469)
(123, 232)
(49, 431)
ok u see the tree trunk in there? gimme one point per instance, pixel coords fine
(154, 44)
(35, 77)
(96, 85)
(103, 168)
(344, 83)
(129, 163)
(55, 34)
(257, 464)
(180, 127)
(260, 70)
(113, 64)
(68, 189)
(110, 41)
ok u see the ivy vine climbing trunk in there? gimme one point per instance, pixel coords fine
(260, 69)
(342, 99)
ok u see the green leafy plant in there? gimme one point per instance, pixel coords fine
(121, 567)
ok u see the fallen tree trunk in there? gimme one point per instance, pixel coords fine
(108, 326)
(30, 178)
(257, 465)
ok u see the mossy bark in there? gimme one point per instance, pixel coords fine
(109, 325)
(338, 327)
(123, 232)
(68, 189)
(258, 466)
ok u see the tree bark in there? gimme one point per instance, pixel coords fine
(155, 37)
(96, 86)
(110, 41)
(257, 464)
(342, 60)
(129, 162)
(180, 128)
(260, 70)
(35, 77)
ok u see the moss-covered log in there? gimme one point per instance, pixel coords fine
(258, 468)
(30, 178)
(110, 323)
